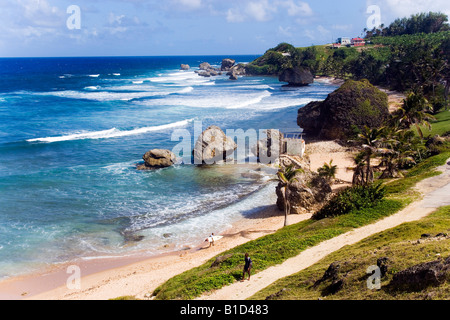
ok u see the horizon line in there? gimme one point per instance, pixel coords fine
(128, 56)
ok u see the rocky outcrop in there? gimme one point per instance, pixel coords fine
(158, 158)
(185, 67)
(421, 276)
(213, 147)
(345, 112)
(297, 77)
(227, 64)
(309, 193)
(205, 66)
(268, 149)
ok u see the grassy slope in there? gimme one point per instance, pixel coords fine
(290, 241)
(362, 255)
(400, 245)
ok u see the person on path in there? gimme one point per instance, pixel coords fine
(247, 267)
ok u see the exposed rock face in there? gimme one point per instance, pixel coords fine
(267, 150)
(227, 64)
(238, 70)
(297, 76)
(213, 147)
(158, 158)
(205, 66)
(345, 112)
(309, 193)
(185, 67)
(421, 276)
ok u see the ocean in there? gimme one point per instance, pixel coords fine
(73, 129)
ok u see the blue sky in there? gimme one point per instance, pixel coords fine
(186, 27)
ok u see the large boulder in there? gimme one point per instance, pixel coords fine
(297, 77)
(227, 64)
(213, 147)
(421, 276)
(185, 67)
(309, 193)
(205, 66)
(158, 158)
(345, 112)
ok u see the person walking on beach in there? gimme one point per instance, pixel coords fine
(211, 240)
(247, 267)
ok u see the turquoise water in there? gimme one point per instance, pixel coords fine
(73, 129)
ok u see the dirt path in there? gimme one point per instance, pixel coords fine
(435, 194)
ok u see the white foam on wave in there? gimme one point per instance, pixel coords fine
(94, 75)
(105, 95)
(111, 133)
(233, 100)
(91, 88)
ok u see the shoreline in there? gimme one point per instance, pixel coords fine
(139, 274)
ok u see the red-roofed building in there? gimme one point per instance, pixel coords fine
(358, 42)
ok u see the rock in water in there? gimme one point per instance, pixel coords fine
(205, 66)
(158, 158)
(227, 64)
(185, 67)
(213, 147)
(297, 77)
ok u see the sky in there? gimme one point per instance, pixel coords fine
(53, 28)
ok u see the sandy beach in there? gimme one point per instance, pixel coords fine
(139, 275)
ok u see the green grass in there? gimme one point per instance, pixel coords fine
(418, 173)
(292, 240)
(400, 245)
(439, 127)
(270, 250)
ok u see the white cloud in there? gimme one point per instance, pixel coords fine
(234, 15)
(190, 4)
(296, 9)
(285, 32)
(259, 10)
(405, 8)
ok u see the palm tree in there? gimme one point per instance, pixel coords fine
(396, 151)
(369, 140)
(359, 172)
(415, 111)
(287, 176)
(328, 171)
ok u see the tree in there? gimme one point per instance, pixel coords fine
(397, 151)
(328, 171)
(414, 112)
(287, 176)
(369, 140)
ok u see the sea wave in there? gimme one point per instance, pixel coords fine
(111, 133)
(102, 96)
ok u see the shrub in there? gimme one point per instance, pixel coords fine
(354, 198)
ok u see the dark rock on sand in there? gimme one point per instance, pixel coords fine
(345, 112)
(308, 194)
